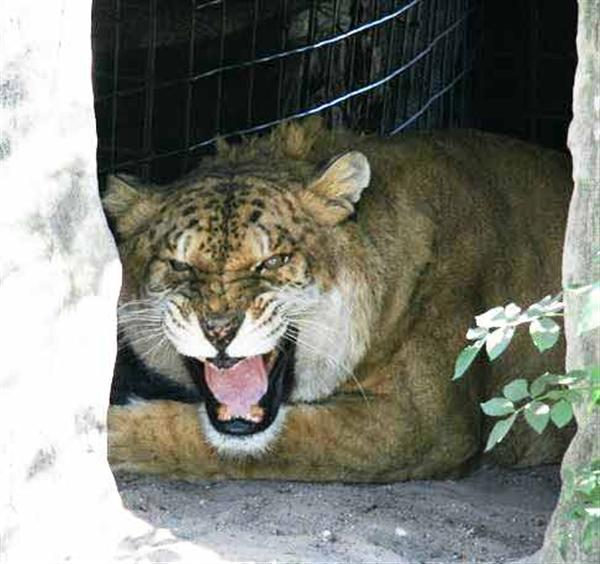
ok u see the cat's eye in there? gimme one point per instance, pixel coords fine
(179, 266)
(274, 262)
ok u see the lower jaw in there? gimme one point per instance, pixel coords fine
(242, 446)
(239, 426)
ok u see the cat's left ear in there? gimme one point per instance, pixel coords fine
(332, 195)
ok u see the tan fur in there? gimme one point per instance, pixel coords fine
(451, 224)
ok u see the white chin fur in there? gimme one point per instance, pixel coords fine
(238, 447)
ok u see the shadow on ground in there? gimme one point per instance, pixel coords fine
(494, 515)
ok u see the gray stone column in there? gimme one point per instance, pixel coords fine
(582, 241)
(59, 281)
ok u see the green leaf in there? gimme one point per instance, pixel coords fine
(544, 333)
(541, 305)
(476, 333)
(592, 373)
(512, 312)
(553, 304)
(573, 396)
(499, 431)
(534, 311)
(537, 415)
(539, 385)
(497, 341)
(548, 304)
(492, 318)
(578, 288)
(516, 390)
(591, 535)
(556, 395)
(561, 413)
(571, 377)
(496, 407)
(466, 358)
(590, 316)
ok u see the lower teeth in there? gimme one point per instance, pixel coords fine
(223, 413)
(255, 414)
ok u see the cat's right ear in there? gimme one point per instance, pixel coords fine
(128, 204)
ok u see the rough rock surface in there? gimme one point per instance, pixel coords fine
(579, 267)
(59, 280)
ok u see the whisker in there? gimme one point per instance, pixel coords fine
(142, 340)
(330, 360)
(156, 348)
(138, 306)
(140, 322)
(135, 327)
(315, 328)
(141, 317)
(317, 376)
(311, 324)
(142, 333)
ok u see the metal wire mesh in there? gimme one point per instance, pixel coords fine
(172, 77)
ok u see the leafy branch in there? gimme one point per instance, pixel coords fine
(550, 397)
(496, 327)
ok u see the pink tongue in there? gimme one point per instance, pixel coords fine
(239, 387)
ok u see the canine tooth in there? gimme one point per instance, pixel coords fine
(256, 413)
(223, 413)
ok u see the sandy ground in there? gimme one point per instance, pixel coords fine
(494, 515)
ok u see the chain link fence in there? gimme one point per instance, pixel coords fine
(171, 77)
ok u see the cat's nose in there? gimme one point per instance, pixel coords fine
(221, 329)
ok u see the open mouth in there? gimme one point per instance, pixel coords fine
(243, 395)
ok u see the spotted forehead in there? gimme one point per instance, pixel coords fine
(230, 221)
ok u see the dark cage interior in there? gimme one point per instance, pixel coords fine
(525, 69)
(172, 76)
